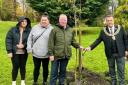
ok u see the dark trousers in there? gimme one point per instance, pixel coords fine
(58, 65)
(37, 64)
(120, 62)
(19, 61)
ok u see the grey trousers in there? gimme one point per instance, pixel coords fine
(114, 61)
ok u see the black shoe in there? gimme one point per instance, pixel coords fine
(114, 82)
(44, 83)
(35, 83)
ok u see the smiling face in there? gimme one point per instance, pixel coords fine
(63, 20)
(44, 21)
(110, 21)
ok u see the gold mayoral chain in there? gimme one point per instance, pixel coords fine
(113, 34)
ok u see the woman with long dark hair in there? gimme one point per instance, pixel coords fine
(16, 43)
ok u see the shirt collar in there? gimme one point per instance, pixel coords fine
(113, 27)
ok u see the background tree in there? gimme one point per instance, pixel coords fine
(14, 9)
(19, 10)
(90, 9)
(0, 8)
(7, 9)
(121, 14)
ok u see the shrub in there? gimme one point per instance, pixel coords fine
(121, 14)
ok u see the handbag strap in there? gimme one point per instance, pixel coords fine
(38, 37)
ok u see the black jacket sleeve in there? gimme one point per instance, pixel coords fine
(8, 41)
(125, 38)
(97, 41)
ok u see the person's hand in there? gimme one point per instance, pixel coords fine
(51, 58)
(10, 55)
(81, 48)
(126, 55)
(88, 49)
(20, 46)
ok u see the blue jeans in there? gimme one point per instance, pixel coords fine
(58, 70)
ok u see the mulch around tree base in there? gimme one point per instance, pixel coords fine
(86, 78)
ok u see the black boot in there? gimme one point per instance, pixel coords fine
(35, 83)
(44, 83)
(114, 82)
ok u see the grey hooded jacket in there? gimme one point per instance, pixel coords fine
(39, 47)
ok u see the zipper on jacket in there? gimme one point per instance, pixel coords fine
(64, 43)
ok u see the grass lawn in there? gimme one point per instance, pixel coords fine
(94, 60)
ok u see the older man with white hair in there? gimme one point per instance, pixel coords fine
(59, 49)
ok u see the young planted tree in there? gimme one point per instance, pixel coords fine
(1, 8)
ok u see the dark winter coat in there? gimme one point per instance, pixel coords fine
(13, 36)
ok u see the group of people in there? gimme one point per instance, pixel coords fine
(47, 43)
(44, 43)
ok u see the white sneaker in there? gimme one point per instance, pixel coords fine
(13, 82)
(22, 82)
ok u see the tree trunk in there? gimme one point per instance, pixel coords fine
(24, 7)
(1, 10)
(14, 14)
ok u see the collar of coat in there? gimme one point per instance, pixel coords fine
(26, 29)
(117, 30)
(61, 27)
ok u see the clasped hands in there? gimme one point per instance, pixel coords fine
(20, 46)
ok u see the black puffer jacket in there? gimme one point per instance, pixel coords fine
(13, 36)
